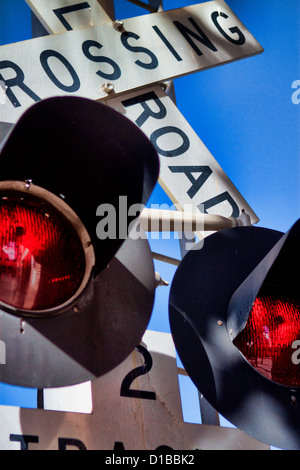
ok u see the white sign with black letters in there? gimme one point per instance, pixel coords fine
(151, 48)
(58, 16)
(189, 173)
(136, 406)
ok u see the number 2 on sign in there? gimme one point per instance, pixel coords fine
(126, 391)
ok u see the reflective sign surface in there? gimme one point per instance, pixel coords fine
(150, 49)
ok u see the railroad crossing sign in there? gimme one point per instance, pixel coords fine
(57, 16)
(145, 50)
(189, 173)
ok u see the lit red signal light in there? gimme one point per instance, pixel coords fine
(234, 312)
(67, 296)
(42, 262)
(267, 341)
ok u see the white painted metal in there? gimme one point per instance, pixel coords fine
(156, 220)
(165, 259)
(189, 174)
(134, 423)
(150, 50)
(76, 398)
(57, 16)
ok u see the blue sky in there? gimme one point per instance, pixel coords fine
(244, 114)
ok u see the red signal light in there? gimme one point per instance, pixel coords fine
(235, 319)
(42, 257)
(268, 337)
(87, 292)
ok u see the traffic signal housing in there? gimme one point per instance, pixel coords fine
(234, 312)
(73, 303)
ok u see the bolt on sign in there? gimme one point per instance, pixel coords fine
(136, 406)
(145, 50)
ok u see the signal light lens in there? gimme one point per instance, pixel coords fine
(42, 260)
(267, 339)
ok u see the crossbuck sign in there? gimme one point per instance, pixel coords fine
(147, 50)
